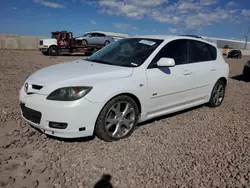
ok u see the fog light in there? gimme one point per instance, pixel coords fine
(82, 129)
(57, 125)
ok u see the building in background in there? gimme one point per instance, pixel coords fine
(228, 43)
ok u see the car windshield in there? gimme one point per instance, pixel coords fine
(87, 34)
(129, 52)
(54, 35)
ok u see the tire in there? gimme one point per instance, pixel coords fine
(213, 102)
(84, 42)
(106, 43)
(53, 51)
(104, 133)
(87, 53)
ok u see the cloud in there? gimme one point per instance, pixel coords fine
(14, 8)
(119, 8)
(245, 13)
(176, 31)
(89, 2)
(147, 3)
(191, 14)
(208, 2)
(93, 22)
(49, 4)
(173, 30)
(231, 3)
(124, 26)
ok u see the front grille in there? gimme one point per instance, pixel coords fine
(31, 115)
(41, 42)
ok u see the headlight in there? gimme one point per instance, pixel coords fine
(69, 93)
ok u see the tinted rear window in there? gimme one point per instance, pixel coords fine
(213, 51)
(199, 52)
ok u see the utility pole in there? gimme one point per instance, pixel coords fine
(246, 36)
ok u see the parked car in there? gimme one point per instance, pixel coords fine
(130, 81)
(95, 39)
(234, 54)
(246, 70)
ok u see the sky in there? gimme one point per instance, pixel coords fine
(212, 18)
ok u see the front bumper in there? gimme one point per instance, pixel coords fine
(80, 116)
(43, 49)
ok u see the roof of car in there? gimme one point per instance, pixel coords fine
(170, 37)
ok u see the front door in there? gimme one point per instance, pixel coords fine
(64, 41)
(93, 39)
(169, 87)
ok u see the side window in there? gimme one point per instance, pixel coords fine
(176, 49)
(93, 35)
(213, 51)
(198, 52)
(100, 35)
(63, 36)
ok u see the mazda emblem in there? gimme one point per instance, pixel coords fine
(26, 87)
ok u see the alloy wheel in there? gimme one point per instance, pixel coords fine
(218, 94)
(120, 119)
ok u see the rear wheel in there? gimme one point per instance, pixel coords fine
(106, 43)
(53, 51)
(118, 119)
(217, 95)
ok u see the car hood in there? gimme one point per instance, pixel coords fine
(80, 38)
(79, 72)
(49, 40)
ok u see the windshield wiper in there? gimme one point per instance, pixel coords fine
(100, 61)
(108, 63)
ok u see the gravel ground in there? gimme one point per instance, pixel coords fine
(202, 147)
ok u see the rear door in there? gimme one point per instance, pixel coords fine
(201, 57)
(100, 38)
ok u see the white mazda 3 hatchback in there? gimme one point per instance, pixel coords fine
(127, 82)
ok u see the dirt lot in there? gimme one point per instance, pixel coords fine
(202, 147)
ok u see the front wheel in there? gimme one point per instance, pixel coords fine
(217, 95)
(53, 51)
(117, 120)
(84, 42)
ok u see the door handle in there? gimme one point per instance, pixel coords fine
(213, 69)
(187, 72)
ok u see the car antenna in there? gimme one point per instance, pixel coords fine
(190, 31)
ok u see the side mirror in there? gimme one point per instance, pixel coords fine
(166, 62)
